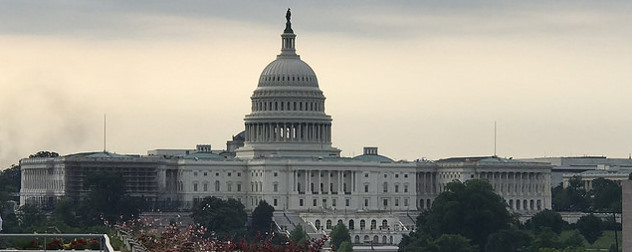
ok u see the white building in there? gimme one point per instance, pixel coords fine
(288, 160)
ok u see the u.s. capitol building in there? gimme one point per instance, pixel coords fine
(285, 157)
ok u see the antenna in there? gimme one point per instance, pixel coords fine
(494, 138)
(105, 132)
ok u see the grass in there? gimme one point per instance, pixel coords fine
(606, 239)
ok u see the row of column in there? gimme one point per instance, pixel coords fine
(288, 132)
(306, 181)
(41, 179)
(521, 183)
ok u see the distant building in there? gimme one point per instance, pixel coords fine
(590, 167)
(285, 157)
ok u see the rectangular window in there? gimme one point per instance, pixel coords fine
(366, 188)
(396, 188)
(195, 187)
(396, 202)
(276, 187)
(315, 202)
(206, 187)
(405, 188)
(366, 202)
(346, 202)
(333, 202)
(405, 202)
(385, 202)
(275, 202)
(230, 187)
(300, 202)
(239, 187)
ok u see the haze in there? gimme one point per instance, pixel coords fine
(414, 78)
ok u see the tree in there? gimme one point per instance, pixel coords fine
(30, 217)
(591, 227)
(65, 212)
(508, 240)
(339, 234)
(345, 246)
(224, 217)
(44, 154)
(471, 209)
(107, 200)
(298, 235)
(546, 218)
(453, 242)
(606, 195)
(262, 218)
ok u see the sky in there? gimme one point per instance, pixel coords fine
(417, 79)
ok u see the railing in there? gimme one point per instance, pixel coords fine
(104, 246)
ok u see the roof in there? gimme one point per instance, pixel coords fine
(373, 158)
(486, 159)
(204, 155)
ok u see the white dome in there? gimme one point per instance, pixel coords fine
(288, 71)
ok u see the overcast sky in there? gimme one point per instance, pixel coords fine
(414, 78)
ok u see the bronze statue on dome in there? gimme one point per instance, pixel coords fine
(288, 24)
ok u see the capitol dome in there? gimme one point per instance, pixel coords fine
(288, 71)
(288, 116)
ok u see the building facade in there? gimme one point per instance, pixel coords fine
(285, 157)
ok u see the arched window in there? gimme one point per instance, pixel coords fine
(217, 186)
(351, 227)
(384, 224)
(362, 225)
(317, 224)
(373, 224)
(328, 225)
(356, 239)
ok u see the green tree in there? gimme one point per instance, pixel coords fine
(10, 181)
(572, 198)
(298, 235)
(108, 200)
(345, 246)
(224, 217)
(454, 242)
(44, 154)
(471, 209)
(30, 217)
(591, 227)
(339, 234)
(606, 195)
(508, 240)
(546, 218)
(262, 218)
(65, 212)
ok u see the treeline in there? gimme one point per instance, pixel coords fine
(470, 216)
(604, 195)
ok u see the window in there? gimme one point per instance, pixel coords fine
(205, 187)
(229, 174)
(328, 225)
(396, 202)
(276, 174)
(346, 202)
(333, 202)
(396, 175)
(366, 175)
(205, 173)
(362, 224)
(276, 187)
(366, 188)
(195, 174)
(385, 186)
(275, 202)
(385, 202)
(239, 174)
(366, 202)
(396, 188)
(315, 202)
(300, 202)
(239, 187)
(405, 188)
(229, 186)
(405, 175)
(217, 186)
(385, 175)
(195, 187)
(405, 202)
